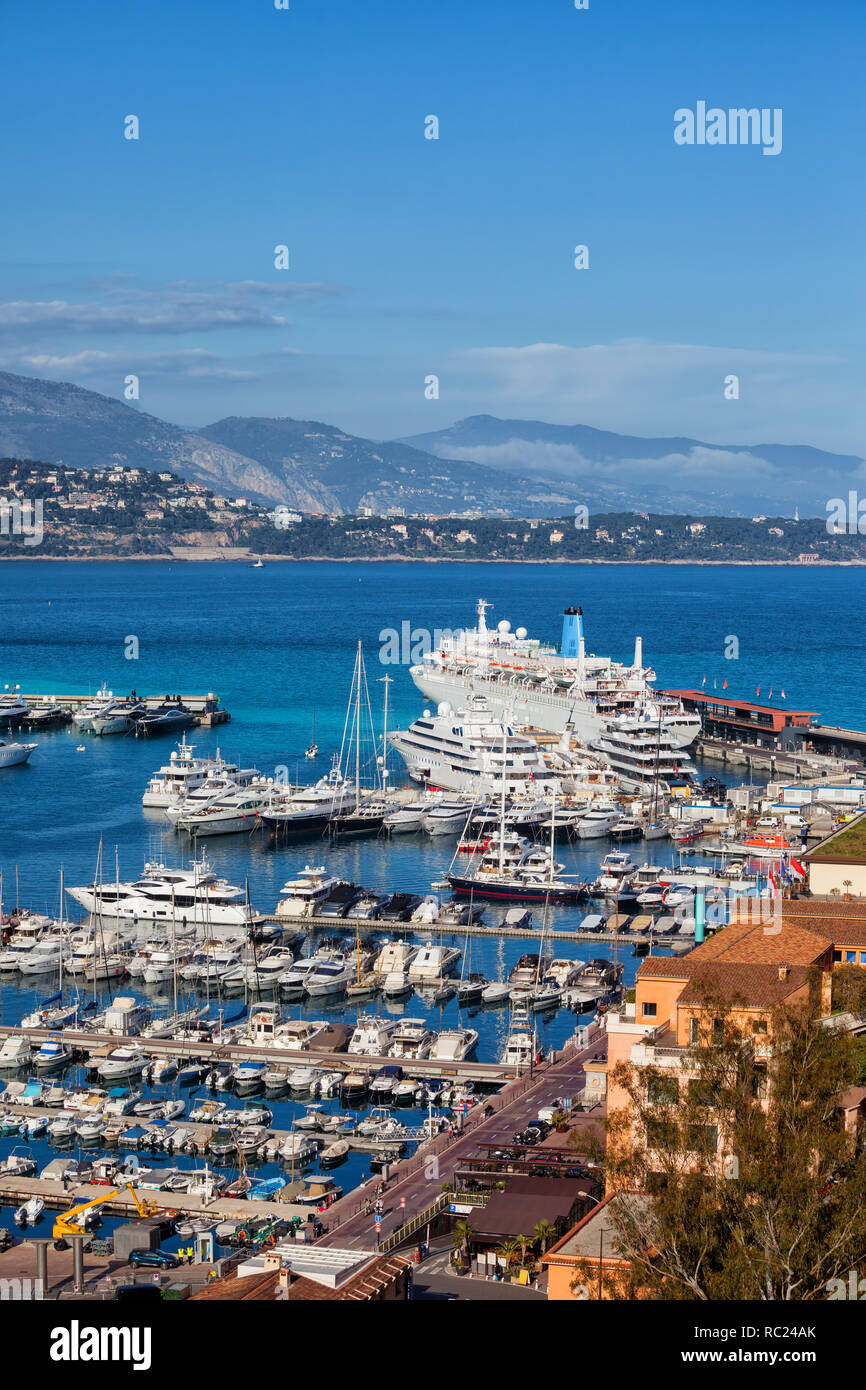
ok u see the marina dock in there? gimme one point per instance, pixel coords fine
(489, 1072)
(206, 708)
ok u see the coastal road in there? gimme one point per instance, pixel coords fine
(422, 1183)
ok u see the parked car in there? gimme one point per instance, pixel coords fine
(153, 1259)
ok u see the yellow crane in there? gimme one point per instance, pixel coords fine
(65, 1224)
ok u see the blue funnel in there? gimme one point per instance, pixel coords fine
(572, 631)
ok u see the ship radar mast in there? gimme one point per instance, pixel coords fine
(481, 610)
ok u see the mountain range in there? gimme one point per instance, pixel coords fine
(483, 464)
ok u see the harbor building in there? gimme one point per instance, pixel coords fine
(743, 721)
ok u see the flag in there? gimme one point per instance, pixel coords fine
(703, 682)
(758, 693)
(770, 696)
(725, 685)
(772, 880)
(797, 867)
(783, 694)
(714, 682)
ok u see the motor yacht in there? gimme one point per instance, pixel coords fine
(372, 1036)
(16, 1052)
(184, 773)
(13, 710)
(453, 1045)
(228, 814)
(193, 897)
(45, 958)
(123, 1061)
(329, 977)
(302, 895)
(14, 754)
(410, 1039)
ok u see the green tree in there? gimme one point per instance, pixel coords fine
(755, 1186)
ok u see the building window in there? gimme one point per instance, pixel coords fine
(718, 1032)
(850, 957)
(759, 1025)
(837, 957)
(703, 1139)
(760, 1083)
(663, 1090)
(649, 1010)
(694, 1031)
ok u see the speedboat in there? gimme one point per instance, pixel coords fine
(246, 1076)
(17, 1165)
(123, 1061)
(29, 1212)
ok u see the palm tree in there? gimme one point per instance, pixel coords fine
(545, 1234)
(847, 885)
(508, 1250)
(463, 1233)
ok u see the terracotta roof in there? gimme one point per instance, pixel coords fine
(755, 986)
(759, 943)
(669, 966)
(853, 1097)
(247, 1289)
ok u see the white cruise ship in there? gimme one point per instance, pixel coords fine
(469, 750)
(530, 683)
(193, 897)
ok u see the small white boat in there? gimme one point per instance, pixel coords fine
(29, 1212)
(123, 1061)
(17, 1165)
(16, 1052)
(53, 1053)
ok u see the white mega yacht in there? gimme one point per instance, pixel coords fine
(194, 896)
(183, 773)
(469, 749)
(529, 682)
(645, 756)
(13, 754)
(302, 894)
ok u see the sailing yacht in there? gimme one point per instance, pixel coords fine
(366, 814)
(304, 810)
(313, 750)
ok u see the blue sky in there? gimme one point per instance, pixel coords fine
(454, 257)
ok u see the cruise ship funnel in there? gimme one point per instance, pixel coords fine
(572, 631)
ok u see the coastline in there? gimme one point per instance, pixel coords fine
(250, 559)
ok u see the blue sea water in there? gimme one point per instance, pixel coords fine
(278, 643)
